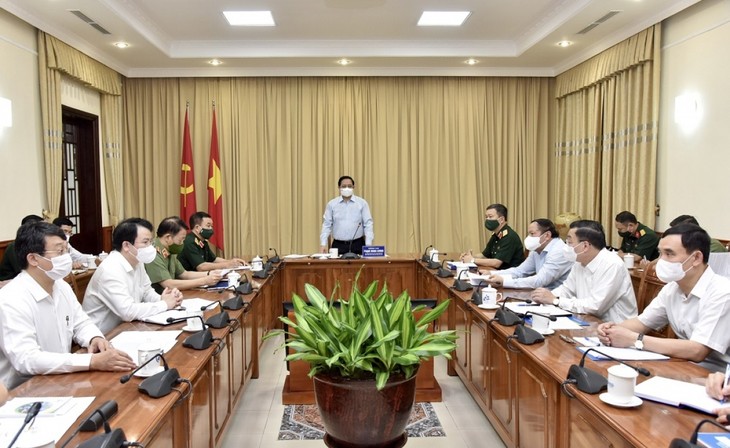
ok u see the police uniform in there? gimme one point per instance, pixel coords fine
(195, 252)
(166, 266)
(505, 245)
(643, 243)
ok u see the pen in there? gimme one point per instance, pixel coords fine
(726, 382)
(567, 339)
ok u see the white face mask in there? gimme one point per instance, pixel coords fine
(147, 254)
(346, 192)
(68, 237)
(61, 266)
(671, 271)
(570, 253)
(532, 242)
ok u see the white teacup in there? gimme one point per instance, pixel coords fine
(334, 253)
(629, 261)
(234, 279)
(91, 262)
(621, 383)
(195, 322)
(540, 323)
(490, 296)
(144, 353)
(434, 255)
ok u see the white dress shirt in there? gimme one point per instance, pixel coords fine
(703, 316)
(37, 330)
(547, 269)
(120, 293)
(76, 255)
(341, 219)
(601, 288)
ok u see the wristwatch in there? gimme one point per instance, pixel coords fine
(639, 344)
(556, 301)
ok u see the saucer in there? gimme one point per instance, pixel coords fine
(187, 329)
(606, 398)
(142, 374)
(547, 332)
(488, 307)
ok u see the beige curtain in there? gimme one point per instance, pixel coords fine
(428, 154)
(606, 137)
(50, 90)
(111, 143)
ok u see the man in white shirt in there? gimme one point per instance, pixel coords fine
(40, 316)
(598, 284)
(120, 290)
(347, 218)
(79, 258)
(695, 302)
(546, 266)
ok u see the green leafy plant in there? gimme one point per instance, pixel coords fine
(365, 336)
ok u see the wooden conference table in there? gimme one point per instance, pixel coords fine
(517, 387)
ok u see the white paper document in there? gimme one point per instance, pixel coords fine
(184, 311)
(522, 308)
(129, 341)
(624, 354)
(564, 323)
(295, 256)
(47, 426)
(588, 341)
(459, 264)
(678, 393)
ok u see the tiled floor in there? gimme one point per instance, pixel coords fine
(255, 423)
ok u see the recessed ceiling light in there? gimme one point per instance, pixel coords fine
(215, 62)
(121, 44)
(564, 43)
(471, 61)
(443, 18)
(249, 18)
(344, 61)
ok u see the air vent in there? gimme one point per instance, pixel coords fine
(89, 21)
(594, 24)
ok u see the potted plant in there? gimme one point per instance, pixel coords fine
(364, 353)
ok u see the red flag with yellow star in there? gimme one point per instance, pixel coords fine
(187, 179)
(215, 191)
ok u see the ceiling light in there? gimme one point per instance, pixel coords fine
(344, 61)
(443, 18)
(249, 18)
(215, 62)
(121, 44)
(471, 61)
(564, 43)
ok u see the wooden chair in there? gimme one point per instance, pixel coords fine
(648, 289)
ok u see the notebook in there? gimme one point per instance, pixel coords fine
(679, 394)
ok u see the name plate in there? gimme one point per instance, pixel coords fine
(373, 251)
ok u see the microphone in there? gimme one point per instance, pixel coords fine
(109, 439)
(220, 320)
(159, 384)
(507, 317)
(434, 264)
(461, 285)
(103, 413)
(275, 259)
(476, 296)
(264, 272)
(33, 410)
(592, 382)
(680, 443)
(425, 256)
(269, 265)
(349, 255)
(443, 272)
(236, 302)
(245, 288)
(198, 341)
(529, 336)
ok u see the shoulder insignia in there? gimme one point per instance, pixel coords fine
(503, 233)
(199, 243)
(641, 233)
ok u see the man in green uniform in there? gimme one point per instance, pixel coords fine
(715, 245)
(196, 254)
(166, 271)
(504, 249)
(10, 267)
(638, 239)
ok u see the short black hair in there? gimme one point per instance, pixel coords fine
(687, 219)
(171, 225)
(31, 239)
(31, 218)
(694, 238)
(62, 221)
(339, 181)
(197, 218)
(545, 225)
(591, 231)
(500, 209)
(127, 231)
(626, 217)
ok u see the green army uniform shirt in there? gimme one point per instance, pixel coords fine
(715, 246)
(643, 243)
(195, 251)
(166, 266)
(9, 268)
(505, 245)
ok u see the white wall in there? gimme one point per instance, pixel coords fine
(22, 179)
(693, 172)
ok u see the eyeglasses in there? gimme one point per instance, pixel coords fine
(63, 250)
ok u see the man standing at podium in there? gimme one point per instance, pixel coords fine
(347, 218)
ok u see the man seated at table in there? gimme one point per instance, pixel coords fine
(598, 284)
(504, 249)
(79, 259)
(166, 271)
(546, 266)
(636, 238)
(120, 290)
(196, 254)
(40, 316)
(10, 267)
(715, 245)
(695, 302)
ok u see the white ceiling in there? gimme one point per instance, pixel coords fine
(178, 37)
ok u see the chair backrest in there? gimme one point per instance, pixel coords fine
(648, 289)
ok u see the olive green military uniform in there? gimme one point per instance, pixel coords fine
(9, 268)
(195, 251)
(505, 245)
(717, 246)
(643, 243)
(166, 266)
